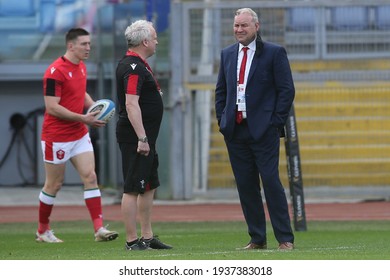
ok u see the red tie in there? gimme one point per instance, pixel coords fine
(241, 78)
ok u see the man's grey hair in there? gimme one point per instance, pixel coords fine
(248, 11)
(137, 32)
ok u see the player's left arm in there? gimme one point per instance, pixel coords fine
(135, 117)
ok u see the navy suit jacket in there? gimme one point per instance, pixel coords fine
(269, 89)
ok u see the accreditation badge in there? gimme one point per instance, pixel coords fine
(241, 103)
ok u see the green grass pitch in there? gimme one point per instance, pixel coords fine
(352, 240)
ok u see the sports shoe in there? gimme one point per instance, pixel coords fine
(48, 237)
(137, 246)
(103, 234)
(155, 243)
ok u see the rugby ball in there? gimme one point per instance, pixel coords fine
(105, 107)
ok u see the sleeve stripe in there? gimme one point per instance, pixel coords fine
(132, 84)
(50, 87)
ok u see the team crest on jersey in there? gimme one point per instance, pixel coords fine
(133, 65)
(60, 154)
(142, 182)
(70, 74)
(52, 70)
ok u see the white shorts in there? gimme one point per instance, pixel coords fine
(61, 152)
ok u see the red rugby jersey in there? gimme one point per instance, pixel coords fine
(69, 82)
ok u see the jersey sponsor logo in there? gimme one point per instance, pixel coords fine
(133, 65)
(52, 70)
(60, 154)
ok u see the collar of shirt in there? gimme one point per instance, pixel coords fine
(251, 46)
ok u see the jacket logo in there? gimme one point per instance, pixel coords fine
(133, 65)
(70, 74)
(52, 70)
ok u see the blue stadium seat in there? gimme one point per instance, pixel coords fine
(48, 14)
(137, 8)
(301, 18)
(382, 17)
(110, 13)
(72, 13)
(17, 8)
(66, 2)
(106, 18)
(349, 18)
(162, 10)
(67, 17)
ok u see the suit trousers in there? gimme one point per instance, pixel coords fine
(251, 161)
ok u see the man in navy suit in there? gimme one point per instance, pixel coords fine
(252, 101)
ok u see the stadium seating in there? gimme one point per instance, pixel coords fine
(301, 18)
(20, 8)
(162, 10)
(349, 18)
(47, 15)
(344, 136)
(105, 18)
(108, 14)
(382, 17)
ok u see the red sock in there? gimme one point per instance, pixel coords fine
(94, 205)
(46, 203)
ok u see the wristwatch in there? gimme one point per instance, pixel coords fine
(143, 139)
